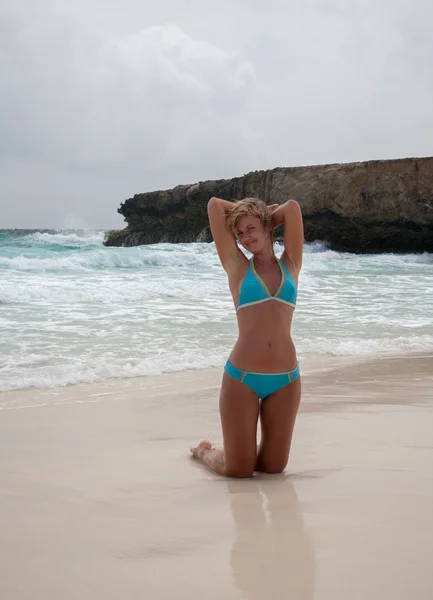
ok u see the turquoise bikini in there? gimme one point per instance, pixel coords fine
(254, 291)
(263, 384)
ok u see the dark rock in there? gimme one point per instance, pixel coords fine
(374, 206)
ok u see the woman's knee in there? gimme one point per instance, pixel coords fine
(272, 466)
(239, 473)
(239, 469)
(273, 470)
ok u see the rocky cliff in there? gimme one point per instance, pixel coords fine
(374, 206)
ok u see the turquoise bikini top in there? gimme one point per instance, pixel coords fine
(255, 291)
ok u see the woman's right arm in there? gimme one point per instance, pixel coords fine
(225, 241)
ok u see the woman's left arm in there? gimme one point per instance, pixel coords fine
(290, 215)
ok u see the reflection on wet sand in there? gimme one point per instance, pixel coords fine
(272, 555)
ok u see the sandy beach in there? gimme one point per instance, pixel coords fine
(99, 498)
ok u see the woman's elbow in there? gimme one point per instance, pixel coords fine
(293, 204)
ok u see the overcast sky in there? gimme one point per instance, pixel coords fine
(102, 99)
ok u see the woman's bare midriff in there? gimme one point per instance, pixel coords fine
(264, 344)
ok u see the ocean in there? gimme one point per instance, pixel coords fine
(72, 310)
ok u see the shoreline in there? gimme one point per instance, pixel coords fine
(38, 397)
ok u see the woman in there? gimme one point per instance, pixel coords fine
(263, 364)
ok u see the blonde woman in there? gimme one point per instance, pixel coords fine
(261, 378)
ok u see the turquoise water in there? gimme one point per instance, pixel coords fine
(73, 311)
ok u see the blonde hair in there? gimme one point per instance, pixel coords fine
(249, 207)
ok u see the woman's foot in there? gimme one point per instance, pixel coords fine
(203, 447)
(210, 457)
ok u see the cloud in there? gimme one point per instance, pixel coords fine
(86, 100)
(186, 96)
(101, 100)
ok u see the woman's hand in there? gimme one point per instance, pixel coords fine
(272, 207)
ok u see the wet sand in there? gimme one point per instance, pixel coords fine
(99, 498)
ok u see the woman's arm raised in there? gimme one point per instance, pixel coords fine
(290, 214)
(225, 241)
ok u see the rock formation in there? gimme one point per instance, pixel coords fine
(364, 207)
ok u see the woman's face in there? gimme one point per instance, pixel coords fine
(251, 234)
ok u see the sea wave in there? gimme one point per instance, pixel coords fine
(84, 253)
(34, 371)
(85, 258)
(73, 310)
(105, 367)
(65, 238)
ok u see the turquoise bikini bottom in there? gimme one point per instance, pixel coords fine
(263, 384)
